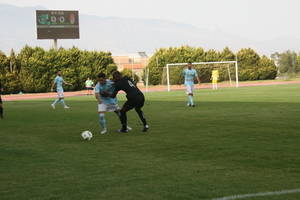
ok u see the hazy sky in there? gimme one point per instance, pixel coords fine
(266, 25)
(254, 19)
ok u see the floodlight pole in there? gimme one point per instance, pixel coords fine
(147, 79)
(55, 44)
(132, 74)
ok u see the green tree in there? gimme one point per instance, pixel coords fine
(288, 62)
(247, 58)
(226, 55)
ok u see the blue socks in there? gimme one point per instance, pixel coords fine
(63, 102)
(102, 120)
(56, 101)
(191, 101)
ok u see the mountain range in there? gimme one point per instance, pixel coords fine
(127, 35)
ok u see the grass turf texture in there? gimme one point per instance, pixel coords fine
(236, 141)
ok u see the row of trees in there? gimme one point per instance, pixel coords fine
(251, 65)
(33, 69)
(288, 62)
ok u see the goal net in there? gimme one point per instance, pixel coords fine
(227, 73)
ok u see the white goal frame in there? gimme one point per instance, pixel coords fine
(203, 63)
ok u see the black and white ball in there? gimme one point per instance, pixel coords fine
(86, 135)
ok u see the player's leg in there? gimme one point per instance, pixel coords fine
(142, 118)
(1, 108)
(123, 116)
(190, 95)
(138, 108)
(55, 102)
(214, 84)
(141, 115)
(188, 91)
(118, 113)
(102, 121)
(62, 99)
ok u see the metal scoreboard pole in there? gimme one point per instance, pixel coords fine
(55, 44)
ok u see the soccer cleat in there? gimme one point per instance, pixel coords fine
(129, 128)
(193, 105)
(146, 127)
(123, 130)
(66, 107)
(189, 105)
(103, 131)
(53, 106)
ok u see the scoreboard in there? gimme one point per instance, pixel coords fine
(57, 24)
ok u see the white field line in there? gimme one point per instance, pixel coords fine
(261, 194)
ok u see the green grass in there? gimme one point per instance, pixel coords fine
(236, 141)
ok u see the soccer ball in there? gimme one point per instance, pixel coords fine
(86, 135)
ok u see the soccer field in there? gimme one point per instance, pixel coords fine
(234, 142)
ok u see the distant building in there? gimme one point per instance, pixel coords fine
(135, 62)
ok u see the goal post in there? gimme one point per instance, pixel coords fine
(168, 66)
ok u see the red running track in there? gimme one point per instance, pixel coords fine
(19, 97)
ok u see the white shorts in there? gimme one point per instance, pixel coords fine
(60, 94)
(189, 89)
(108, 107)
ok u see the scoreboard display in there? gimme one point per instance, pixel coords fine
(57, 24)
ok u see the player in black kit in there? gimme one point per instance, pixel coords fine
(1, 105)
(135, 99)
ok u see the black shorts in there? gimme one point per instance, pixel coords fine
(0, 99)
(89, 88)
(136, 102)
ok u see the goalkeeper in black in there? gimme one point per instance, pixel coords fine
(135, 99)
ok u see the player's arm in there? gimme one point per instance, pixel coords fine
(132, 81)
(53, 84)
(97, 95)
(67, 83)
(116, 90)
(114, 94)
(183, 73)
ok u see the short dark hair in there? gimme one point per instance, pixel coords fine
(189, 62)
(58, 71)
(101, 75)
(116, 74)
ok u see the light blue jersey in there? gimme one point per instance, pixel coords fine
(59, 83)
(189, 76)
(108, 86)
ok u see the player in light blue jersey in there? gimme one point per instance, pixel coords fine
(59, 81)
(190, 75)
(105, 103)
